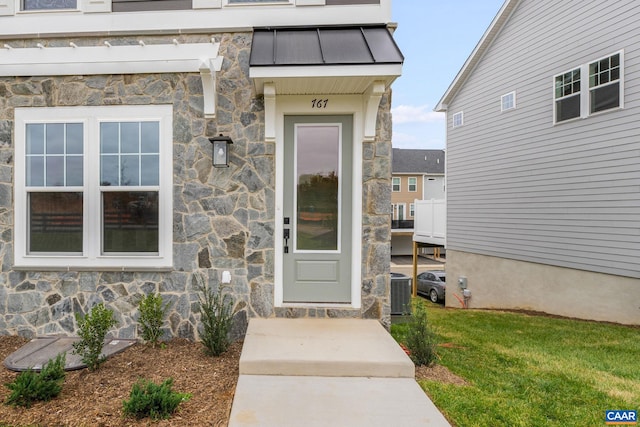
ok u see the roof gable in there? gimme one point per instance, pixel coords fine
(485, 42)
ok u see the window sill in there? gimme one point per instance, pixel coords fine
(44, 267)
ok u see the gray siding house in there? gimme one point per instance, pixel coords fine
(543, 163)
(112, 116)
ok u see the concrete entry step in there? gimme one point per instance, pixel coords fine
(322, 347)
(285, 401)
(39, 351)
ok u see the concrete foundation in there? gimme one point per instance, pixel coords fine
(509, 284)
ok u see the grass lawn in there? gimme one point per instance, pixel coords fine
(531, 370)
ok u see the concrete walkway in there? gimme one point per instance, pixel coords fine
(327, 372)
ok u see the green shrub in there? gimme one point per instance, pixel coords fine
(152, 314)
(216, 317)
(420, 339)
(31, 386)
(92, 330)
(151, 400)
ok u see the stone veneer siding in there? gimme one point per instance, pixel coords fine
(223, 218)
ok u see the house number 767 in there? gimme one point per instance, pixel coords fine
(319, 103)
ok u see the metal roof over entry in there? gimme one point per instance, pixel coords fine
(324, 46)
(330, 60)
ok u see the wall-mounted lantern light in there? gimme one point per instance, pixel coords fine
(221, 150)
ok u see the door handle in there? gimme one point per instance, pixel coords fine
(286, 235)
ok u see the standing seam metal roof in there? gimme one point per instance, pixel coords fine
(341, 45)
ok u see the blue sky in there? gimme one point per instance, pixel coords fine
(436, 38)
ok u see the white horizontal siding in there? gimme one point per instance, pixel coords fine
(519, 186)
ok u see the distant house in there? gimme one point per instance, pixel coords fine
(416, 175)
(543, 162)
(113, 114)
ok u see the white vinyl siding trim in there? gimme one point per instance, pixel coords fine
(519, 187)
(7, 7)
(458, 119)
(92, 257)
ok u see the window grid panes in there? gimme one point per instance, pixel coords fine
(567, 94)
(395, 184)
(89, 189)
(54, 153)
(129, 153)
(413, 184)
(458, 119)
(601, 81)
(604, 84)
(508, 101)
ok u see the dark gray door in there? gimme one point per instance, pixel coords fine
(317, 209)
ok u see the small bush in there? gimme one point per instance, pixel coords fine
(420, 339)
(148, 399)
(216, 317)
(31, 386)
(92, 330)
(152, 314)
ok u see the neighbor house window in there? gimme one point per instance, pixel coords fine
(508, 101)
(567, 95)
(395, 184)
(412, 210)
(604, 84)
(458, 119)
(578, 96)
(398, 211)
(413, 184)
(93, 187)
(49, 4)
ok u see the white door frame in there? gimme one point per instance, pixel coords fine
(335, 105)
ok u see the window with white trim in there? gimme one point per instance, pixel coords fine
(398, 211)
(412, 210)
(458, 119)
(94, 187)
(395, 184)
(48, 4)
(508, 101)
(412, 184)
(576, 96)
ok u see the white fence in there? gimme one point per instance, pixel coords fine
(430, 222)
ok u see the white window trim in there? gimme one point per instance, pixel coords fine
(397, 208)
(458, 114)
(409, 184)
(399, 184)
(412, 210)
(92, 259)
(502, 99)
(585, 96)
